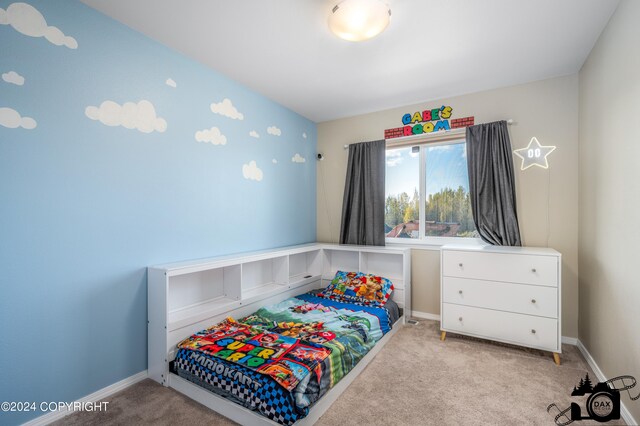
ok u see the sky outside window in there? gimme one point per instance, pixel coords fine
(403, 171)
(446, 167)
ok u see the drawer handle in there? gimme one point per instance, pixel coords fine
(533, 270)
(459, 291)
(460, 265)
(460, 319)
(533, 300)
(533, 331)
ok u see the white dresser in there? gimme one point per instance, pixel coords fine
(507, 294)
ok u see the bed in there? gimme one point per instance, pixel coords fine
(315, 343)
(210, 321)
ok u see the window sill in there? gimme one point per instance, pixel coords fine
(432, 243)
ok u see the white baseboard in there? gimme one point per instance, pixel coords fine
(94, 397)
(425, 315)
(569, 340)
(624, 413)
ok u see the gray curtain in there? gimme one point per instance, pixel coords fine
(363, 202)
(492, 183)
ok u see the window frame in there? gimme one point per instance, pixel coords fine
(447, 138)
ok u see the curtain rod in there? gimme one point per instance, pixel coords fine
(445, 134)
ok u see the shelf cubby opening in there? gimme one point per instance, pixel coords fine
(263, 276)
(198, 293)
(339, 260)
(304, 266)
(386, 265)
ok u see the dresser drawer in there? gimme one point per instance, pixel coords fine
(505, 267)
(519, 329)
(520, 298)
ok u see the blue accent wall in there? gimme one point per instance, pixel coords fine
(85, 207)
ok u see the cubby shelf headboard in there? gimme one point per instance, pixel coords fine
(186, 297)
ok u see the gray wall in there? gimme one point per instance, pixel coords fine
(547, 199)
(610, 198)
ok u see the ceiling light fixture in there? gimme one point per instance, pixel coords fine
(358, 20)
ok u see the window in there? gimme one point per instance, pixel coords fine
(427, 192)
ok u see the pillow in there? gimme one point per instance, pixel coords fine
(339, 285)
(359, 288)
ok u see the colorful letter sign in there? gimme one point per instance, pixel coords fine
(428, 121)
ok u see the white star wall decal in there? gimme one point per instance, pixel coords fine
(534, 154)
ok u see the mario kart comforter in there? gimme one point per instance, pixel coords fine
(284, 357)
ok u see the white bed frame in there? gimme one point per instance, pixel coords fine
(186, 297)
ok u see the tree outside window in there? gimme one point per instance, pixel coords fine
(443, 193)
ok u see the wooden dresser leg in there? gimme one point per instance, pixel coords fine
(556, 358)
(443, 335)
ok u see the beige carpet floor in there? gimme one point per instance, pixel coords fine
(415, 380)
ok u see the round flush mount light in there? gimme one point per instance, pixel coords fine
(358, 20)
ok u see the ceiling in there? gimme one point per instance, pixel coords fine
(432, 49)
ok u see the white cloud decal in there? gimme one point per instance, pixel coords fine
(11, 118)
(298, 158)
(212, 135)
(274, 161)
(304, 135)
(273, 130)
(171, 82)
(254, 134)
(227, 109)
(13, 78)
(27, 20)
(251, 171)
(140, 116)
